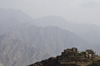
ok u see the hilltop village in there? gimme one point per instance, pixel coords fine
(71, 57)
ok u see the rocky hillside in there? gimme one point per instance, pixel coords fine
(71, 57)
(22, 46)
(22, 43)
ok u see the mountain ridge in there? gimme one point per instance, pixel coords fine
(89, 32)
(22, 43)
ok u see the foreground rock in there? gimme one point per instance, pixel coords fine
(71, 57)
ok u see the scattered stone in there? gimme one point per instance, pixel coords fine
(71, 57)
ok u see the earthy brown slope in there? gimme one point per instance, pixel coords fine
(71, 57)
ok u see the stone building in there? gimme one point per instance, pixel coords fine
(89, 53)
(74, 50)
(70, 51)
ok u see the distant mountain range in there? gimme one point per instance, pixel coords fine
(89, 32)
(22, 43)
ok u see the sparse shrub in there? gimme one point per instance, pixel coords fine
(82, 54)
(77, 54)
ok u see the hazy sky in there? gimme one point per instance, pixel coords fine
(87, 11)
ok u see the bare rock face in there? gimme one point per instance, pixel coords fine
(70, 57)
(1, 64)
(23, 45)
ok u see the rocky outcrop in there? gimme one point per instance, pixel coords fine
(70, 57)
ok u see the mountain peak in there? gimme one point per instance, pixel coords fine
(19, 15)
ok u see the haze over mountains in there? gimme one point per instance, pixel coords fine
(11, 14)
(23, 42)
(89, 32)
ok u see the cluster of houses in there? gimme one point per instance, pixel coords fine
(72, 56)
(73, 52)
